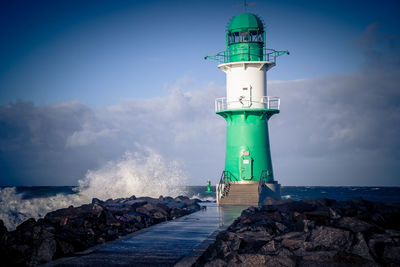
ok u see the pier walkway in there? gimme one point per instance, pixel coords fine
(173, 243)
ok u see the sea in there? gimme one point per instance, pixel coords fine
(20, 203)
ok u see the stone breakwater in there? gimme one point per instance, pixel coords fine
(313, 232)
(66, 231)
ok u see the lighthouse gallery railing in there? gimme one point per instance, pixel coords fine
(269, 55)
(267, 102)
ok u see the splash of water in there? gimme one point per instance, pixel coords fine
(14, 209)
(136, 174)
(139, 174)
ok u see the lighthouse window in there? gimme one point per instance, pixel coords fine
(235, 37)
(244, 36)
(260, 36)
(253, 36)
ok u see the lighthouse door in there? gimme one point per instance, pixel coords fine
(245, 98)
(246, 167)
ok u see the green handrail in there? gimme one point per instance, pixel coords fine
(268, 55)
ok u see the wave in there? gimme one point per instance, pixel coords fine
(139, 174)
(210, 197)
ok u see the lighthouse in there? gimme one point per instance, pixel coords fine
(248, 175)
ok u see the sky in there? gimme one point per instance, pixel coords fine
(82, 83)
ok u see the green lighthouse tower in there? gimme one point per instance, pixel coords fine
(248, 175)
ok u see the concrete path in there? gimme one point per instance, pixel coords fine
(178, 242)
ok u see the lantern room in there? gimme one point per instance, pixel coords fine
(245, 38)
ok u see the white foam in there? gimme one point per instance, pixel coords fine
(211, 197)
(14, 209)
(139, 174)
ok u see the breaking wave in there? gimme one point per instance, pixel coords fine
(211, 197)
(139, 174)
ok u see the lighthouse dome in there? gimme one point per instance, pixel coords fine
(245, 38)
(245, 21)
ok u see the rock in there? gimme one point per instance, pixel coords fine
(284, 261)
(293, 244)
(143, 211)
(189, 202)
(26, 227)
(296, 206)
(320, 202)
(44, 251)
(334, 214)
(63, 248)
(62, 216)
(97, 201)
(353, 224)
(216, 263)
(361, 248)
(270, 248)
(308, 225)
(3, 237)
(317, 258)
(391, 254)
(377, 243)
(66, 231)
(268, 201)
(314, 232)
(319, 216)
(329, 238)
(252, 259)
(350, 259)
(181, 198)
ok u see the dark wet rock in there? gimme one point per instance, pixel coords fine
(97, 201)
(313, 232)
(329, 238)
(181, 198)
(66, 231)
(353, 224)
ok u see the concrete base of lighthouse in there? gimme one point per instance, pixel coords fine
(246, 193)
(272, 190)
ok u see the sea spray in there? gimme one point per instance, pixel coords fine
(14, 209)
(135, 174)
(139, 174)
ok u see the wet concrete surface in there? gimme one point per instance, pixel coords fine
(178, 242)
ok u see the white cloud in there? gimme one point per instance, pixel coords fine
(336, 130)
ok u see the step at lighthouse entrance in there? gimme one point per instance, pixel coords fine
(248, 175)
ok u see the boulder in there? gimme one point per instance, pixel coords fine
(329, 238)
(66, 231)
(313, 232)
(353, 224)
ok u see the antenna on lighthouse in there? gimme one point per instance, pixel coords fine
(245, 5)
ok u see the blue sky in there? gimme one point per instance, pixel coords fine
(99, 52)
(78, 78)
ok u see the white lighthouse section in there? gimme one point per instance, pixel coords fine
(245, 86)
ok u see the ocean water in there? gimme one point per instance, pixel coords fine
(380, 194)
(20, 203)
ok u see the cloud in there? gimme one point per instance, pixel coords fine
(58, 144)
(338, 130)
(334, 130)
(381, 48)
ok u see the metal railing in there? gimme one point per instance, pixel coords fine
(265, 178)
(269, 55)
(224, 184)
(266, 102)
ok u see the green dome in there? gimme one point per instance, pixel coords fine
(245, 21)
